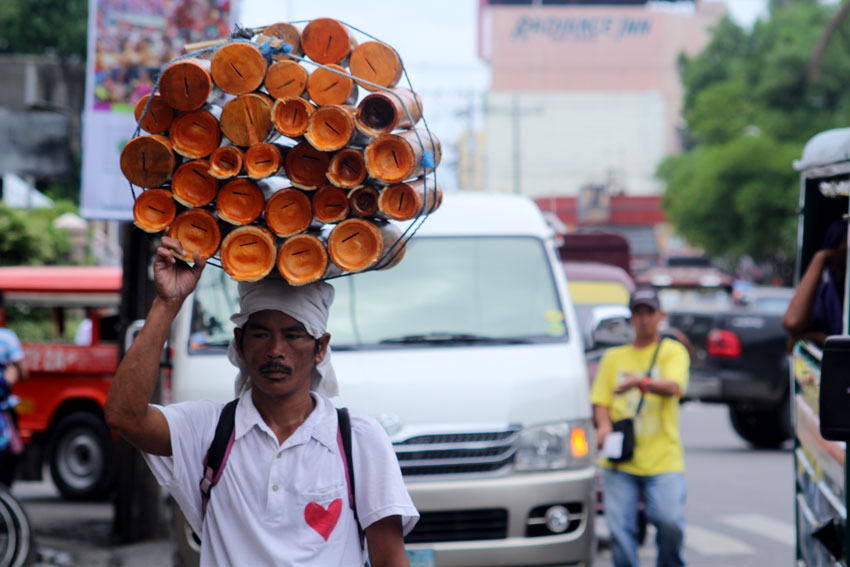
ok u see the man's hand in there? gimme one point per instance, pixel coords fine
(602, 432)
(631, 381)
(175, 280)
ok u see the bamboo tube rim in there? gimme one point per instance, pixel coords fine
(159, 201)
(236, 256)
(290, 266)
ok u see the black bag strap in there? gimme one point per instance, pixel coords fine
(649, 373)
(218, 451)
(345, 437)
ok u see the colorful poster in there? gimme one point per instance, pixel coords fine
(129, 42)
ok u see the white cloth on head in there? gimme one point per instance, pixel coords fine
(308, 304)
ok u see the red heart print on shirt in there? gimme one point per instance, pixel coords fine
(323, 520)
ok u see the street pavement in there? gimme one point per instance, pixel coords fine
(739, 509)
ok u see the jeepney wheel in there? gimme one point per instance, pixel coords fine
(81, 455)
(764, 428)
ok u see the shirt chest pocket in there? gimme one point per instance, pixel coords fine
(323, 515)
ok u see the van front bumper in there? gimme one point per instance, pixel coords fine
(515, 508)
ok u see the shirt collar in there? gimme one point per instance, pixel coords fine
(321, 424)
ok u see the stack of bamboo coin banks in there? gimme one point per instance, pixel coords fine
(258, 151)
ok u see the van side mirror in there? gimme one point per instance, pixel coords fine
(611, 331)
(835, 389)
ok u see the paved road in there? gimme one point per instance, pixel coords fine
(739, 509)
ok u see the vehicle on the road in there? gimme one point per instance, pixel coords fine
(738, 347)
(61, 404)
(820, 377)
(469, 353)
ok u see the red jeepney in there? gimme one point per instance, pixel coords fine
(65, 317)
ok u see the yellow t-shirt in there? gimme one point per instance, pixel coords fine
(658, 448)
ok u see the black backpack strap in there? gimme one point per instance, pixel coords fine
(344, 437)
(219, 450)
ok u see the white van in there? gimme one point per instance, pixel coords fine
(469, 354)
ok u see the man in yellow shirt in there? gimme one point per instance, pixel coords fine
(656, 470)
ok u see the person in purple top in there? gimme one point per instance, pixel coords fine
(816, 309)
(11, 370)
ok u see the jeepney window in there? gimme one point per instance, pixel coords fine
(38, 323)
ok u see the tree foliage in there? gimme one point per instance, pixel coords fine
(41, 26)
(750, 105)
(28, 237)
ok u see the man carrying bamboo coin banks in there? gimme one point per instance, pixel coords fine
(643, 381)
(285, 494)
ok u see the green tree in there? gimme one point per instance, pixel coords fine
(753, 98)
(28, 237)
(41, 26)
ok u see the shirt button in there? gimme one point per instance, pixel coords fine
(279, 455)
(274, 488)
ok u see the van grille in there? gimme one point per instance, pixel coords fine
(457, 453)
(463, 525)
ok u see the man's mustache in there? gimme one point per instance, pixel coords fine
(276, 367)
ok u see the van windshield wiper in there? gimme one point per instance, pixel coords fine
(443, 337)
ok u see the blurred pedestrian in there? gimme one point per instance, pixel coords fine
(280, 499)
(640, 384)
(816, 309)
(12, 370)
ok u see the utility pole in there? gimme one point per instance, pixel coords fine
(516, 112)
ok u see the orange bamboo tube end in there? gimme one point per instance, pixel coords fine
(363, 201)
(330, 204)
(302, 259)
(286, 78)
(327, 88)
(147, 161)
(195, 134)
(246, 120)
(238, 68)
(154, 210)
(285, 32)
(239, 202)
(306, 167)
(288, 212)
(186, 84)
(263, 160)
(326, 40)
(376, 62)
(226, 162)
(159, 116)
(404, 201)
(347, 168)
(248, 253)
(290, 115)
(381, 113)
(355, 245)
(197, 231)
(391, 158)
(330, 128)
(192, 184)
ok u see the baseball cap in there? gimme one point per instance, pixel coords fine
(644, 296)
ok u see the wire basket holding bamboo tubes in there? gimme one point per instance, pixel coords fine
(296, 150)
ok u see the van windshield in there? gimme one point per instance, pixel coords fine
(446, 290)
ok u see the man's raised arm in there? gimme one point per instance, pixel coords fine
(127, 407)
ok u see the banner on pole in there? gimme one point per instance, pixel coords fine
(129, 42)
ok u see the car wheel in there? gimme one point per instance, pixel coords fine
(764, 428)
(82, 457)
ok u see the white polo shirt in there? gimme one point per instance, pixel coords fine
(282, 505)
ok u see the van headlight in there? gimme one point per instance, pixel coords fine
(562, 445)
